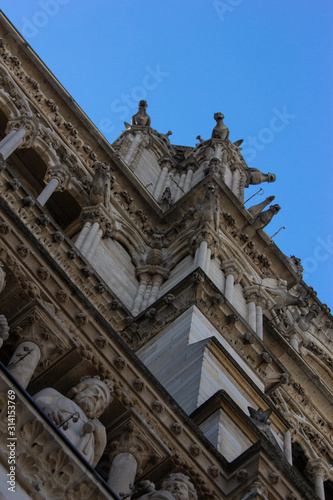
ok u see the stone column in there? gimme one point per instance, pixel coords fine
(144, 277)
(48, 191)
(122, 473)
(234, 273)
(252, 314)
(11, 142)
(201, 254)
(149, 287)
(131, 150)
(95, 243)
(157, 281)
(83, 234)
(287, 446)
(317, 470)
(208, 257)
(229, 287)
(259, 321)
(24, 362)
(257, 300)
(90, 238)
(56, 177)
(160, 182)
(188, 180)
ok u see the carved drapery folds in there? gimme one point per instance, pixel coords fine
(77, 414)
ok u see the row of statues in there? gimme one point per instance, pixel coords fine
(77, 414)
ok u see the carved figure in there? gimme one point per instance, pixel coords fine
(100, 185)
(254, 176)
(256, 209)
(220, 131)
(284, 299)
(265, 217)
(4, 329)
(76, 414)
(210, 209)
(166, 199)
(175, 487)
(304, 321)
(141, 118)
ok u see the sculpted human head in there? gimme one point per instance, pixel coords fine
(93, 395)
(180, 486)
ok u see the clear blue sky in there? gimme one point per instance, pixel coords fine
(266, 64)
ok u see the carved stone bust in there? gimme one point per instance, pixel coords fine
(175, 487)
(76, 414)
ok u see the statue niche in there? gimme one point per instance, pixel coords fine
(76, 414)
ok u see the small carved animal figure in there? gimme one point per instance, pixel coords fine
(265, 217)
(141, 118)
(100, 185)
(254, 176)
(256, 209)
(220, 131)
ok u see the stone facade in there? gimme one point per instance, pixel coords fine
(155, 342)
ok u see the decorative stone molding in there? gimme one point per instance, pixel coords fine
(231, 266)
(131, 434)
(29, 124)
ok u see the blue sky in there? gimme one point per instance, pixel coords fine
(266, 64)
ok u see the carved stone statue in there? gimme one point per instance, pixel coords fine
(100, 185)
(304, 322)
(265, 217)
(220, 131)
(76, 415)
(166, 198)
(4, 329)
(284, 299)
(141, 118)
(210, 209)
(175, 487)
(256, 209)
(254, 176)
